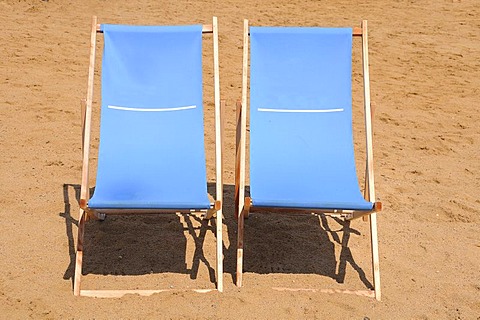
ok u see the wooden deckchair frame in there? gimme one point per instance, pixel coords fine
(243, 205)
(87, 213)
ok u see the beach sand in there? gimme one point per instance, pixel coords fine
(425, 80)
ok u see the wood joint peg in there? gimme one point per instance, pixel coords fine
(248, 203)
(217, 205)
(83, 204)
(357, 31)
(247, 206)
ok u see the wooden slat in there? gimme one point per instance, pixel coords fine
(364, 293)
(238, 153)
(243, 120)
(121, 293)
(375, 256)
(84, 190)
(241, 149)
(77, 281)
(370, 173)
(218, 155)
(206, 28)
(368, 116)
(218, 114)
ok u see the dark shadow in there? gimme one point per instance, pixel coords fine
(287, 243)
(291, 243)
(199, 256)
(274, 243)
(135, 244)
(345, 253)
(69, 223)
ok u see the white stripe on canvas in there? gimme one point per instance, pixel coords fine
(300, 110)
(151, 110)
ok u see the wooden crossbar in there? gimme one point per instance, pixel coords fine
(356, 32)
(207, 28)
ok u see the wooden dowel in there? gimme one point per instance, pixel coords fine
(356, 32)
(207, 28)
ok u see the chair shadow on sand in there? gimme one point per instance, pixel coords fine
(290, 243)
(137, 244)
(156, 243)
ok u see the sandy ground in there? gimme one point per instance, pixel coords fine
(425, 72)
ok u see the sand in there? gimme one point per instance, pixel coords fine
(425, 73)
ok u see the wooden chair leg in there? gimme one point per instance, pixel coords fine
(79, 253)
(219, 252)
(240, 248)
(375, 256)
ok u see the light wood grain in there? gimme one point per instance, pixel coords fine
(370, 175)
(121, 293)
(206, 28)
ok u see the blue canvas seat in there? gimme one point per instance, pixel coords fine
(301, 143)
(151, 152)
(151, 156)
(301, 139)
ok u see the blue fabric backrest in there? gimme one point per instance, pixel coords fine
(151, 152)
(301, 143)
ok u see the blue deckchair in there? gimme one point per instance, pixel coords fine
(151, 155)
(301, 142)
